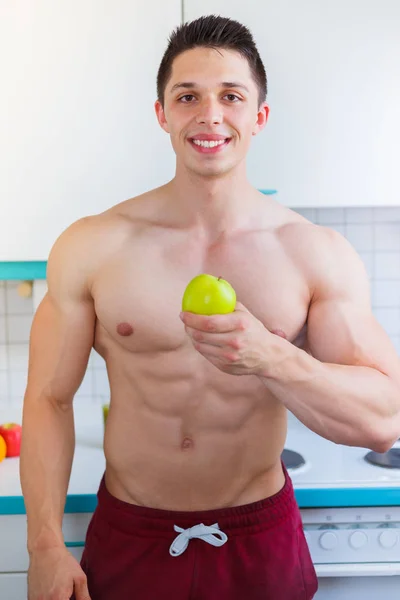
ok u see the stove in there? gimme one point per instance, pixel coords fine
(349, 500)
(390, 459)
(326, 465)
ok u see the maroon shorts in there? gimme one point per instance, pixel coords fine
(255, 551)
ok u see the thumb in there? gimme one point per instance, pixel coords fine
(240, 306)
(81, 590)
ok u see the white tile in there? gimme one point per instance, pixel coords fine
(386, 214)
(389, 318)
(18, 381)
(86, 387)
(4, 387)
(307, 213)
(18, 356)
(2, 330)
(368, 260)
(359, 215)
(339, 227)
(3, 357)
(16, 304)
(387, 265)
(101, 384)
(327, 216)
(95, 360)
(2, 300)
(15, 409)
(396, 343)
(385, 294)
(19, 328)
(387, 237)
(360, 236)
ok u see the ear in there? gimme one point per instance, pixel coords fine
(262, 117)
(161, 116)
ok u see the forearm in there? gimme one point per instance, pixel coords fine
(47, 450)
(351, 405)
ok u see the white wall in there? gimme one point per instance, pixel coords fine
(78, 130)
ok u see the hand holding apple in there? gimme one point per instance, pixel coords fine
(234, 341)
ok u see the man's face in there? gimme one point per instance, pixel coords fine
(211, 96)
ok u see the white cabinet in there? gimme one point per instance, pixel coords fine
(333, 135)
(78, 130)
(13, 586)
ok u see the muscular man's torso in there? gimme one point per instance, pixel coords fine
(181, 434)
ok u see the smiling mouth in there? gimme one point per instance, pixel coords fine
(209, 146)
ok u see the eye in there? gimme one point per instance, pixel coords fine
(186, 96)
(230, 96)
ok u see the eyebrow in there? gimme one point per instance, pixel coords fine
(192, 85)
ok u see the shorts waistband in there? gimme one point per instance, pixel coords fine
(246, 518)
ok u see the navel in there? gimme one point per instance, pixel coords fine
(124, 329)
(187, 443)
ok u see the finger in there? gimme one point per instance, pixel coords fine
(240, 306)
(213, 323)
(223, 355)
(227, 340)
(81, 589)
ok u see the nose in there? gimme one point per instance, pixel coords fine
(210, 113)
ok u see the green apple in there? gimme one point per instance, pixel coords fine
(209, 295)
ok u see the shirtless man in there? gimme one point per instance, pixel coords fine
(195, 502)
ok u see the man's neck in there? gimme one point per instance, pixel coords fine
(215, 205)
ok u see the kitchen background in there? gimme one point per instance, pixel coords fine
(78, 134)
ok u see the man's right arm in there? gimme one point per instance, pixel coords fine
(61, 339)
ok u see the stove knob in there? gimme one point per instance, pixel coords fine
(328, 540)
(358, 539)
(388, 538)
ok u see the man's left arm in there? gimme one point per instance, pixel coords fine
(347, 389)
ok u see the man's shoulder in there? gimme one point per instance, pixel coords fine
(116, 222)
(324, 255)
(88, 242)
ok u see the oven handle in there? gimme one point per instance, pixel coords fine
(357, 569)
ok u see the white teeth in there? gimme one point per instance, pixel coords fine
(210, 144)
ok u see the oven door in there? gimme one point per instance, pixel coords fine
(358, 581)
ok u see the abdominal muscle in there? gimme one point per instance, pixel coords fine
(190, 439)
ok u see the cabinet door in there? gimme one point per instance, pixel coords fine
(78, 130)
(333, 135)
(13, 586)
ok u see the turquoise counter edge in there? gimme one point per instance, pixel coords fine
(23, 270)
(306, 498)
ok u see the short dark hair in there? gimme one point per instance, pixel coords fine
(212, 31)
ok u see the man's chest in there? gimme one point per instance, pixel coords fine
(138, 302)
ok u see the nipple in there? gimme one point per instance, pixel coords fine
(124, 329)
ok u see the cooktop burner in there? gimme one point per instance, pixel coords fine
(292, 459)
(389, 460)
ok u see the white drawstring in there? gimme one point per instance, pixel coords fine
(209, 533)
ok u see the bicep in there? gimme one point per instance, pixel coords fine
(342, 332)
(342, 328)
(62, 332)
(60, 344)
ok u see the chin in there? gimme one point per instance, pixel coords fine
(211, 170)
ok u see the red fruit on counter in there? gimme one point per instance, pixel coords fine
(11, 432)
